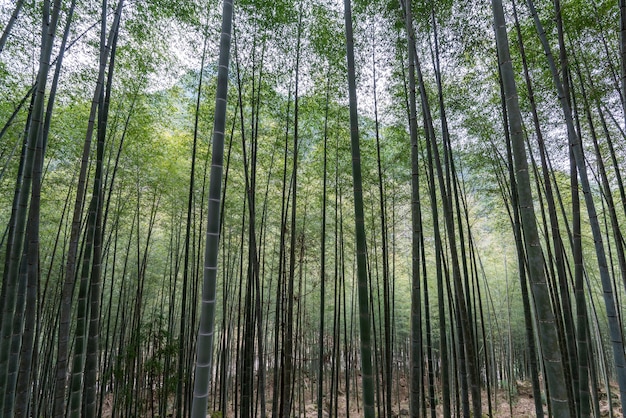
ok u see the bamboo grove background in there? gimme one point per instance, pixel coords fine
(312, 208)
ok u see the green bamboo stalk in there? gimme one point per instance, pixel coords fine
(416, 237)
(363, 294)
(622, 50)
(204, 353)
(7, 30)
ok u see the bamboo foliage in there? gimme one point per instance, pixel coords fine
(459, 277)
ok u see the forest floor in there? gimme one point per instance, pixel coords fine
(522, 405)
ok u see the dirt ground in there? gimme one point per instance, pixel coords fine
(522, 405)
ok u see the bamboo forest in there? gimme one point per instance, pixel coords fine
(312, 208)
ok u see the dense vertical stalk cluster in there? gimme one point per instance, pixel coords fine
(545, 314)
(173, 246)
(20, 278)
